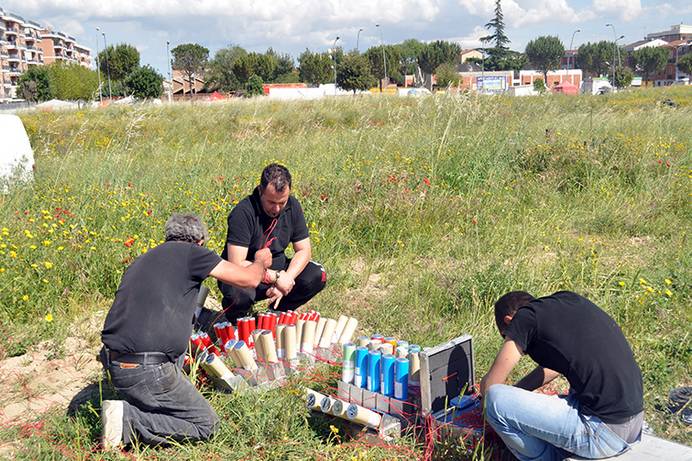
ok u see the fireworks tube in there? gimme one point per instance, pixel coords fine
(328, 333)
(361, 367)
(339, 408)
(243, 329)
(219, 332)
(273, 321)
(401, 375)
(268, 346)
(308, 336)
(316, 316)
(349, 363)
(387, 348)
(252, 326)
(401, 352)
(289, 342)
(313, 399)
(262, 318)
(340, 325)
(377, 336)
(299, 332)
(244, 356)
(283, 318)
(363, 416)
(208, 345)
(362, 341)
(280, 351)
(349, 331)
(259, 352)
(319, 330)
(197, 344)
(388, 375)
(374, 358)
(326, 404)
(230, 331)
(391, 341)
(215, 366)
(414, 363)
(231, 353)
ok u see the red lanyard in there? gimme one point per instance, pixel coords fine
(268, 241)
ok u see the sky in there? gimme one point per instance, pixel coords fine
(290, 26)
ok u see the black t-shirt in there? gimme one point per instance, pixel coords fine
(571, 335)
(248, 223)
(155, 303)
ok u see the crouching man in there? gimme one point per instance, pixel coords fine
(146, 334)
(565, 334)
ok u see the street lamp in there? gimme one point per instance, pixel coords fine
(168, 68)
(358, 37)
(571, 43)
(98, 66)
(333, 51)
(108, 66)
(384, 58)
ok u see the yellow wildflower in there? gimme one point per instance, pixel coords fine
(48, 264)
(48, 317)
(25, 298)
(668, 282)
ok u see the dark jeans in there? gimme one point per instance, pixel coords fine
(161, 404)
(237, 302)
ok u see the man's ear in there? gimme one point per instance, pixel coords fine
(507, 319)
(200, 242)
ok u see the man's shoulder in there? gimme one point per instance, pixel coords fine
(245, 207)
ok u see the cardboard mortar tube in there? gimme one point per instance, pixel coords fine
(308, 336)
(268, 347)
(339, 408)
(363, 416)
(245, 357)
(320, 328)
(349, 330)
(340, 325)
(280, 351)
(289, 342)
(328, 333)
(259, 353)
(313, 399)
(299, 332)
(215, 366)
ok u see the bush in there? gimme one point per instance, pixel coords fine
(34, 84)
(447, 75)
(539, 85)
(72, 81)
(254, 86)
(144, 83)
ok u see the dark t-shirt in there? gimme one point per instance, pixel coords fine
(154, 305)
(571, 335)
(247, 224)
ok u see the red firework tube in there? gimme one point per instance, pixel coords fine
(289, 317)
(218, 331)
(197, 344)
(282, 319)
(206, 340)
(273, 319)
(214, 350)
(253, 325)
(229, 332)
(242, 329)
(261, 321)
(294, 318)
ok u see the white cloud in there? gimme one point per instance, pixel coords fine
(626, 10)
(535, 11)
(471, 40)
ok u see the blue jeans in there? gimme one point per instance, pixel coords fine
(547, 427)
(161, 405)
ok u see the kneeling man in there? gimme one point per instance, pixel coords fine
(565, 334)
(146, 334)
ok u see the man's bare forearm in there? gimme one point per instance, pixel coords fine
(298, 262)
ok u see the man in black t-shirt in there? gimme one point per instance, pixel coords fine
(271, 218)
(146, 334)
(565, 334)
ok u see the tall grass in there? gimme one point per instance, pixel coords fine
(424, 211)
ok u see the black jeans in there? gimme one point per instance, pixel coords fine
(237, 302)
(161, 404)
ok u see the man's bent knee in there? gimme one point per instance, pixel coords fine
(496, 398)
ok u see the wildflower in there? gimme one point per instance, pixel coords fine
(333, 429)
(25, 298)
(48, 264)
(426, 181)
(650, 289)
(2, 269)
(33, 247)
(668, 293)
(47, 243)
(48, 317)
(621, 283)
(60, 248)
(668, 282)
(129, 242)
(13, 254)
(642, 281)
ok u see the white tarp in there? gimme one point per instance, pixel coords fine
(57, 104)
(16, 156)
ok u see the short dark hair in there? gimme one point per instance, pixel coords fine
(186, 228)
(276, 174)
(508, 304)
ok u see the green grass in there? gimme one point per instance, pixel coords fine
(590, 194)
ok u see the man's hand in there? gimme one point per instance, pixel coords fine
(274, 295)
(284, 283)
(264, 257)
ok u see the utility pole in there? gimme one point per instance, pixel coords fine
(98, 66)
(108, 66)
(358, 38)
(571, 43)
(384, 57)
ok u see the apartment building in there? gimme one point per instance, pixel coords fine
(25, 43)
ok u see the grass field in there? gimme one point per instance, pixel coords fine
(423, 211)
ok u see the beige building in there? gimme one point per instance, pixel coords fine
(25, 43)
(469, 53)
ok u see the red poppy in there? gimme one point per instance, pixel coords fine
(128, 243)
(426, 181)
